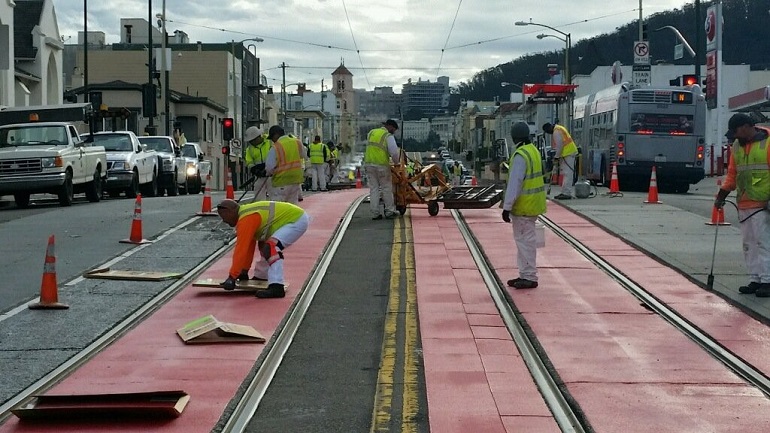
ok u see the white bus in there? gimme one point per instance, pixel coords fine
(638, 127)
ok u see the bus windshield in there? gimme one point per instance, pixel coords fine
(661, 123)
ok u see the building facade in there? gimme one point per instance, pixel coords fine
(428, 99)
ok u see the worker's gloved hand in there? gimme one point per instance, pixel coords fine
(506, 216)
(229, 284)
(258, 170)
(719, 203)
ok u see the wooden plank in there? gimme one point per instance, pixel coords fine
(239, 285)
(208, 329)
(107, 274)
(106, 407)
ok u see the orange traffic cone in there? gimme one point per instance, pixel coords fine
(652, 195)
(717, 217)
(614, 186)
(229, 191)
(49, 296)
(359, 185)
(206, 207)
(474, 182)
(136, 225)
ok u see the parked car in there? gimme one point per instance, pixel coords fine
(131, 168)
(173, 175)
(197, 168)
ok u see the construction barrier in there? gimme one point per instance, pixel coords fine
(49, 291)
(614, 185)
(206, 206)
(229, 190)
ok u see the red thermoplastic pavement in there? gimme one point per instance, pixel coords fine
(152, 357)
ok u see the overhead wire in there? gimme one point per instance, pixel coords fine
(449, 34)
(355, 43)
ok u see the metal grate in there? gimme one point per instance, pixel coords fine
(20, 166)
(651, 96)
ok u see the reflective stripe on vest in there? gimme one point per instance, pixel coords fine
(531, 201)
(274, 216)
(569, 147)
(377, 147)
(317, 153)
(288, 155)
(753, 179)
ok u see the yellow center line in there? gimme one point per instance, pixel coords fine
(410, 402)
(383, 399)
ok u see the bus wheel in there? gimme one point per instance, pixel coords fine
(681, 187)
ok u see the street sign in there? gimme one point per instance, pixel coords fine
(235, 143)
(642, 75)
(641, 53)
(678, 51)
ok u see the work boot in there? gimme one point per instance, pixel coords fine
(750, 289)
(274, 290)
(563, 197)
(243, 276)
(763, 291)
(390, 215)
(524, 284)
(512, 282)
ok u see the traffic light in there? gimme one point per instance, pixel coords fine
(676, 82)
(225, 149)
(644, 32)
(149, 103)
(228, 132)
(689, 79)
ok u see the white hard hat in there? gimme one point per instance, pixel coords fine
(251, 133)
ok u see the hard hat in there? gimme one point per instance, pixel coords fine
(251, 133)
(520, 130)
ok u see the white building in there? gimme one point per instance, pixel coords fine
(416, 129)
(30, 54)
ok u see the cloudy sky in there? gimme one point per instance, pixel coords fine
(383, 43)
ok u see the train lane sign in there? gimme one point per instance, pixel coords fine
(641, 75)
(641, 53)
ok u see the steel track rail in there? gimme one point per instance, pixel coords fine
(562, 412)
(67, 367)
(252, 397)
(740, 367)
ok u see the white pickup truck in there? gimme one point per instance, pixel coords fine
(197, 168)
(131, 168)
(173, 175)
(49, 157)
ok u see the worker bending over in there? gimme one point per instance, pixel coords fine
(566, 151)
(272, 226)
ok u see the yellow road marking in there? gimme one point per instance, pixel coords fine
(410, 405)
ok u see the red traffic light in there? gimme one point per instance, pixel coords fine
(228, 130)
(225, 150)
(689, 80)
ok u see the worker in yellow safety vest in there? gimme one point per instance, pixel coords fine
(381, 148)
(318, 154)
(524, 201)
(284, 163)
(270, 226)
(333, 162)
(257, 147)
(565, 153)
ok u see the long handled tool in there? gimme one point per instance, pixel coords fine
(554, 175)
(710, 279)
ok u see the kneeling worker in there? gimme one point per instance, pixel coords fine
(272, 226)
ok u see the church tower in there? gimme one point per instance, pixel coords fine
(343, 91)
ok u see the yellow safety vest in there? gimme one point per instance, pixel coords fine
(257, 154)
(377, 147)
(275, 214)
(753, 177)
(569, 147)
(317, 153)
(531, 201)
(288, 168)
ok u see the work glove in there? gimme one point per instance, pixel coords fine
(229, 284)
(506, 216)
(719, 203)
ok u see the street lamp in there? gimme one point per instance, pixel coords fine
(568, 41)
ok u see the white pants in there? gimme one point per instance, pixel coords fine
(380, 186)
(567, 169)
(526, 246)
(287, 193)
(756, 244)
(261, 188)
(318, 176)
(287, 234)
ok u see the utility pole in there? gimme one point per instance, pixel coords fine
(165, 69)
(698, 36)
(641, 31)
(323, 130)
(150, 125)
(85, 53)
(283, 96)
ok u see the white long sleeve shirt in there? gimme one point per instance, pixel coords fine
(517, 173)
